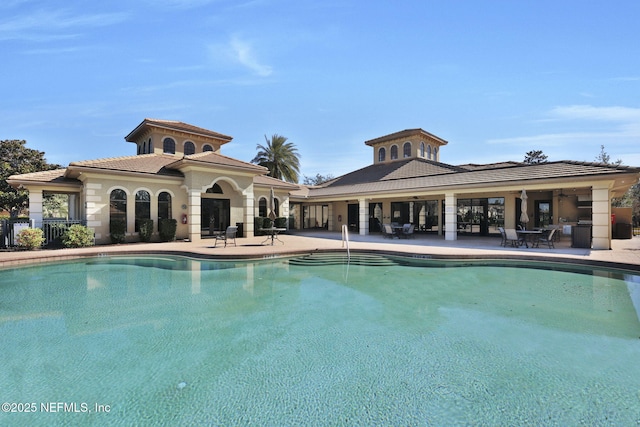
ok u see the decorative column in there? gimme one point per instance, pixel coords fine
(194, 215)
(450, 217)
(249, 211)
(601, 217)
(363, 214)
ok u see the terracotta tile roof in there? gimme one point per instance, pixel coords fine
(267, 181)
(215, 159)
(361, 183)
(407, 133)
(400, 169)
(55, 176)
(154, 164)
(176, 126)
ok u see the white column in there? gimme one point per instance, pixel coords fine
(72, 204)
(35, 206)
(249, 211)
(363, 213)
(601, 217)
(451, 219)
(194, 214)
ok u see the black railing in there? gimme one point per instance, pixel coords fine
(53, 230)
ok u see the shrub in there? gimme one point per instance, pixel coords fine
(117, 230)
(280, 222)
(167, 229)
(30, 238)
(260, 222)
(78, 236)
(146, 229)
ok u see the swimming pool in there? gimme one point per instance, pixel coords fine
(318, 341)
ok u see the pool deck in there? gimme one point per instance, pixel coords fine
(625, 253)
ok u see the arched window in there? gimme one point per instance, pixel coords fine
(276, 208)
(189, 148)
(215, 189)
(262, 207)
(143, 207)
(164, 206)
(150, 146)
(118, 206)
(429, 152)
(382, 153)
(422, 149)
(406, 150)
(207, 147)
(169, 146)
(394, 152)
(139, 149)
(435, 154)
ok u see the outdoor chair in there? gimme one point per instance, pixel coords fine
(511, 236)
(228, 235)
(504, 236)
(387, 231)
(407, 231)
(546, 240)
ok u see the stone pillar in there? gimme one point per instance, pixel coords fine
(601, 217)
(194, 214)
(451, 219)
(363, 216)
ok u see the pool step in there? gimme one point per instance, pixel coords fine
(340, 258)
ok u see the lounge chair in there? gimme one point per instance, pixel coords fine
(230, 234)
(546, 240)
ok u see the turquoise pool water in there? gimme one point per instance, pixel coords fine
(314, 341)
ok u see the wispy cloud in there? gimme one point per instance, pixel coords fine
(589, 127)
(241, 52)
(44, 25)
(589, 112)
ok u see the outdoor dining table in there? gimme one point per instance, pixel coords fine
(272, 234)
(529, 235)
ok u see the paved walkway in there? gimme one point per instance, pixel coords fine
(625, 253)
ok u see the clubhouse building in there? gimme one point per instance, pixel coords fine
(179, 172)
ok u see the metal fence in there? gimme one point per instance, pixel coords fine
(53, 230)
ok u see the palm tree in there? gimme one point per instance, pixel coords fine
(280, 157)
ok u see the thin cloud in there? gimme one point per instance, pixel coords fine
(44, 25)
(241, 52)
(623, 125)
(588, 112)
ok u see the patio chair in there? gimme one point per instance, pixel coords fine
(546, 240)
(504, 236)
(511, 236)
(407, 231)
(387, 231)
(230, 234)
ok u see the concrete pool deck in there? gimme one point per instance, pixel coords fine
(625, 253)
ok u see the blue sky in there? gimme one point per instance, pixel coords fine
(494, 78)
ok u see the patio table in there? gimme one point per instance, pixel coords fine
(528, 236)
(272, 234)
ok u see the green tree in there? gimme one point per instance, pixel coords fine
(535, 156)
(16, 158)
(317, 180)
(280, 157)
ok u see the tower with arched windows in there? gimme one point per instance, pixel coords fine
(175, 138)
(406, 144)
